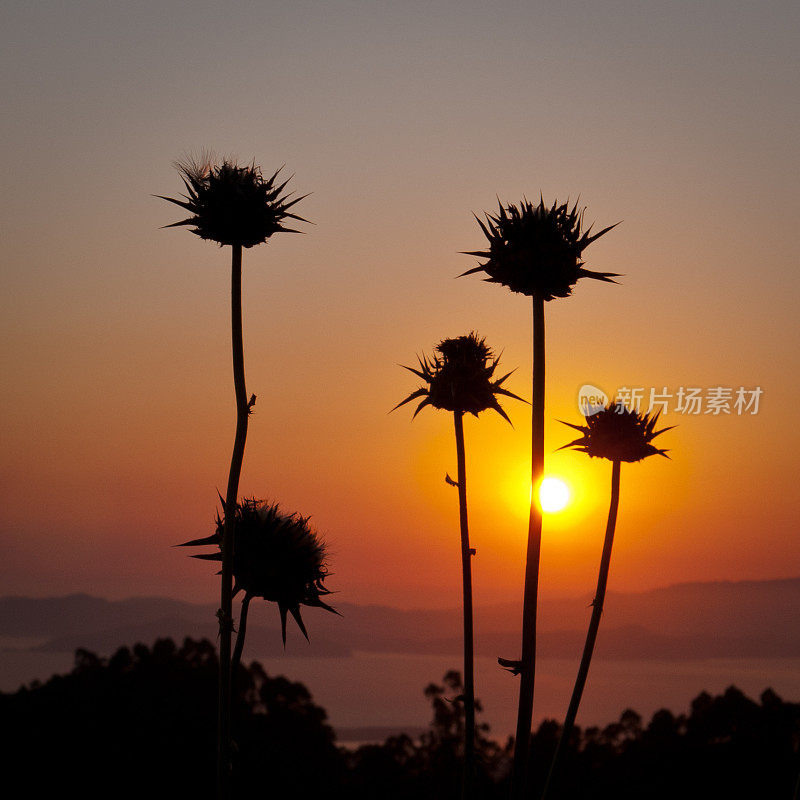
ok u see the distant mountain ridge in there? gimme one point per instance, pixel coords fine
(722, 619)
(48, 616)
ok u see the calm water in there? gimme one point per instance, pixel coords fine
(384, 690)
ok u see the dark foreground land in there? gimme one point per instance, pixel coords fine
(142, 724)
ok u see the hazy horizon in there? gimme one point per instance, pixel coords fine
(213, 601)
(666, 661)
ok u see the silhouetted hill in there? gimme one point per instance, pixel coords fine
(690, 620)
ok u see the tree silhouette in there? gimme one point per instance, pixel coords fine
(142, 724)
(429, 768)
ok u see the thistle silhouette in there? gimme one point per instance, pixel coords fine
(231, 205)
(617, 434)
(537, 251)
(276, 556)
(460, 378)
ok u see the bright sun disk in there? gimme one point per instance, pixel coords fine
(553, 494)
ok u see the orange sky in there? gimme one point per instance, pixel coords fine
(118, 404)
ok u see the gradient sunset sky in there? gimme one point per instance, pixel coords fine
(401, 120)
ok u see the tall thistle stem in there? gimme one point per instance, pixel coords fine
(226, 594)
(594, 624)
(529, 610)
(466, 570)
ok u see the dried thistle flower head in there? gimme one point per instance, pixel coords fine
(276, 556)
(459, 377)
(231, 204)
(536, 250)
(618, 434)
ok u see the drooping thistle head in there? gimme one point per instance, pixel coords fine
(459, 377)
(536, 250)
(276, 556)
(232, 204)
(618, 434)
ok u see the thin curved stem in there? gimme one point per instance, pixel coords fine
(468, 787)
(225, 612)
(594, 624)
(529, 610)
(240, 634)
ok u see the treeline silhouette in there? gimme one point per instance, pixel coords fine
(143, 723)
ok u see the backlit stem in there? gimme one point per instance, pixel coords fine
(529, 610)
(594, 624)
(225, 612)
(466, 571)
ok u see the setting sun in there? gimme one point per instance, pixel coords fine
(553, 494)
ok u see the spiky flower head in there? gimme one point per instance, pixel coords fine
(276, 556)
(459, 377)
(232, 204)
(536, 250)
(618, 434)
